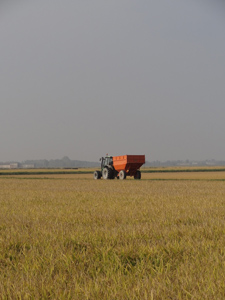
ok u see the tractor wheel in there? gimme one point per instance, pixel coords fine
(137, 175)
(107, 173)
(122, 174)
(97, 175)
(110, 173)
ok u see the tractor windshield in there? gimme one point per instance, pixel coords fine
(106, 161)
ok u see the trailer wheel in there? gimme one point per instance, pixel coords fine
(122, 174)
(97, 175)
(137, 175)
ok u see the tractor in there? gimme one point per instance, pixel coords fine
(120, 167)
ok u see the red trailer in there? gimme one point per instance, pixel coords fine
(120, 167)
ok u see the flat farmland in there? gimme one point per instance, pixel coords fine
(67, 236)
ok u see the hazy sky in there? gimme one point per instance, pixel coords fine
(86, 78)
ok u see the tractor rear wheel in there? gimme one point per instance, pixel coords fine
(122, 174)
(107, 173)
(97, 175)
(111, 173)
(137, 175)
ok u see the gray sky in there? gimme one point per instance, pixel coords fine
(86, 78)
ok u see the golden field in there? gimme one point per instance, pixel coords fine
(67, 236)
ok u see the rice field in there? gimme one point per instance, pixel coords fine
(67, 236)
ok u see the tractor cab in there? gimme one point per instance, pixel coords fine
(106, 161)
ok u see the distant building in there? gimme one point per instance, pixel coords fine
(10, 166)
(4, 166)
(27, 166)
(14, 166)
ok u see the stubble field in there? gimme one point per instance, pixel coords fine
(68, 236)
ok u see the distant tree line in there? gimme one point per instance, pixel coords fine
(65, 162)
(187, 162)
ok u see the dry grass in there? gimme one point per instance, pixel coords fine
(70, 237)
(186, 176)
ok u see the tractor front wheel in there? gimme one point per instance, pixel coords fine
(97, 175)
